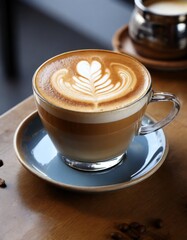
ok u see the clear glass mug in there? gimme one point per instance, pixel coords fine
(93, 141)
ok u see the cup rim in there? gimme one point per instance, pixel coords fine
(149, 89)
(142, 7)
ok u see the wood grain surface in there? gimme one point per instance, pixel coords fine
(33, 209)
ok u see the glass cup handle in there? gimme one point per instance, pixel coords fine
(162, 97)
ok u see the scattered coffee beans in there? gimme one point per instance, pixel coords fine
(131, 231)
(138, 231)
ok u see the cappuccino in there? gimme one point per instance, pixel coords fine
(91, 102)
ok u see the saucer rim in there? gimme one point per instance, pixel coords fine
(172, 65)
(105, 188)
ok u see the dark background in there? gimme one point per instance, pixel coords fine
(34, 30)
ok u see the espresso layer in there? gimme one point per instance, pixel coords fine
(92, 81)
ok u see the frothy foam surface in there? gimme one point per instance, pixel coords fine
(169, 7)
(91, 81)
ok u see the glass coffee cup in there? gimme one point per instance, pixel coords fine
(91, 102)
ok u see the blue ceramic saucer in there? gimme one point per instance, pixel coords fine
(37, 153)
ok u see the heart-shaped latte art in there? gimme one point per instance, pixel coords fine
(94, 83)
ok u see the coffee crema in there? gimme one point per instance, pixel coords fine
(92, 81)
(168, 7)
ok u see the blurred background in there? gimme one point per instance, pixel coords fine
(34, 30)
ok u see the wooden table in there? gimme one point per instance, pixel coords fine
(33, 209)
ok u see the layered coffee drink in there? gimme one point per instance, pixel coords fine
(91, 102)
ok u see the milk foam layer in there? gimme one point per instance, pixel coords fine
(91, 81)
(169, 7)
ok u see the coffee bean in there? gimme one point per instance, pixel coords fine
(2, 183)
(117, 236)
(134, 225)
(123, 227)
(133, 234)
(142, 229)
(1, 163)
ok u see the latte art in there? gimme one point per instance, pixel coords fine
(93, 82)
